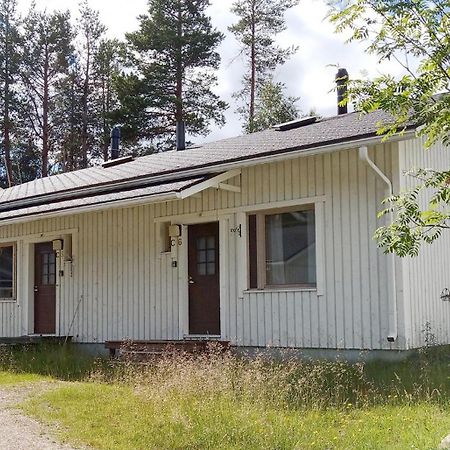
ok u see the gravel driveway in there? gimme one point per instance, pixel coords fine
(19, 432)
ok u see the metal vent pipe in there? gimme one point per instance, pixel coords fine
(115, 142)
(342, 82)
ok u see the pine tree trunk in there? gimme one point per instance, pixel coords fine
(251, 115)
(45, 122)
(84, 129)
(105, 111)
(6, 117)
(7, 139)
(179, 70)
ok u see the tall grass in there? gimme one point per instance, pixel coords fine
(291, 384)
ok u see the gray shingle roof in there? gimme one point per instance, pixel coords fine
(336, 129)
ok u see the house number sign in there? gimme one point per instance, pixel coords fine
(237, 229)
(174, 241)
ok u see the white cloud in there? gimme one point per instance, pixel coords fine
(307, 75)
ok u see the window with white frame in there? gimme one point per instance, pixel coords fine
(282, 248)
(7, 271)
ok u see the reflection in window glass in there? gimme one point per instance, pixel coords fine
(290, 248)
(7, 271)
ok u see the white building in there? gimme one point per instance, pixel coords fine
(260, 240)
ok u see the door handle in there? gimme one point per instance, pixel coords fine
(191, 281)
(35, 289)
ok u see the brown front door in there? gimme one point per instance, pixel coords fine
(204, 292)
(44, 289)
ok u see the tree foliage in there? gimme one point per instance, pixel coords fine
(273, 106)
(91, 32)
(416, 34)
(414, 225)
(9, 81)
(259, 23)
(173, 56)
(46, 52)
(106, 70)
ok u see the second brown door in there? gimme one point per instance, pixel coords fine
(204, 291)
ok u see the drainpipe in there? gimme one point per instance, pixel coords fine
(393, 327)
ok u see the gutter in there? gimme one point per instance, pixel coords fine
(393, 327)
(167, 177)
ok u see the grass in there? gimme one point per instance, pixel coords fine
(8, 378)
(51, 361)
(221, 402)
(113, 417)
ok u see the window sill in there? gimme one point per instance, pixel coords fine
(282, 289)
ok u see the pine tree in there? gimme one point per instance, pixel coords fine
(9, 79)
(68, 118)
(175, 56)
(259, 22)
(47, 50)
(91, 31)
(26, 161)
(107, 68)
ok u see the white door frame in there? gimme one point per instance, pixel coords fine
(180, 253)
(28, 259)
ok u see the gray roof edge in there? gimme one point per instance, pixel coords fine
(99, 205)
(88, 192)
(145, 199)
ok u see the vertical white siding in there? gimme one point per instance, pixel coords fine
(428, 274)
(124, 285)
(353, 311)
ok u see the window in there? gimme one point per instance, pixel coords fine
(282, 248)
(206, 255)
(48, 268)
(7, 271)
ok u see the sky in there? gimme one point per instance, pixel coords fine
(309, 74)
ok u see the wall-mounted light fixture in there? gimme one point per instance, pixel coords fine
(57, 245)
(174, 231)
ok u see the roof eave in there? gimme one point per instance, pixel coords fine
(168, 196)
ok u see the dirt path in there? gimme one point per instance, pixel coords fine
(19, 432)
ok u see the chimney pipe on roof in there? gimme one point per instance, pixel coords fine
(342, 82)
(181, 136)
(115, 142)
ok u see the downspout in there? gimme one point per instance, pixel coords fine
(393, 327)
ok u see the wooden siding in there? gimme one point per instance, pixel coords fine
(427, 316)
(123, 284)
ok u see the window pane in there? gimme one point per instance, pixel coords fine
(201, 268)
(290, 248)
(211, 269)
(201, 256)
(48, 268)
(211, 242)
(6, 272)
(211, 255)
(206, 255)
